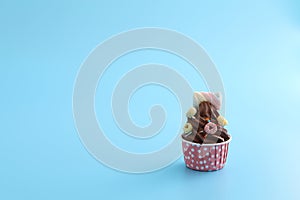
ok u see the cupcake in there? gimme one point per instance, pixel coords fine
(205, 140)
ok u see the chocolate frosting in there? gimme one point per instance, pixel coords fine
(206, 113)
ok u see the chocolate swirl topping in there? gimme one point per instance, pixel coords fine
(206, 112)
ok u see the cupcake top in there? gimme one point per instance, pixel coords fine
(204, 123)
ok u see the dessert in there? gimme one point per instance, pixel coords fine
(205, 140)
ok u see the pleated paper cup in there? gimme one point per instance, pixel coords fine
(205, 157)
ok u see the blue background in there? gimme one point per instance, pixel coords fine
(254, 44)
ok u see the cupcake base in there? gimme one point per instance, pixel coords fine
(205, 157)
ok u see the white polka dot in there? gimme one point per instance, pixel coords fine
(219, 149)
(205, 149)
(204, 161)
(218, 162)
(192, 156)
(201, 162)
(213, 147)
(212, 156)
(187, 165)
(200, 157)
(192, 165)
(207, 154)
(206, 166)
(217, 155)
(202, 167)
(188, 157)
(199, 151)
(197, 167)
(216, 147)
(192, 150)
(192, 161)
(187, 144)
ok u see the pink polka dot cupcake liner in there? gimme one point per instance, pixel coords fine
(205, 157)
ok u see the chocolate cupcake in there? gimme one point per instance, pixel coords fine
(205, 140)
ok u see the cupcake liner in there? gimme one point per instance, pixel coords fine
(205, 157)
